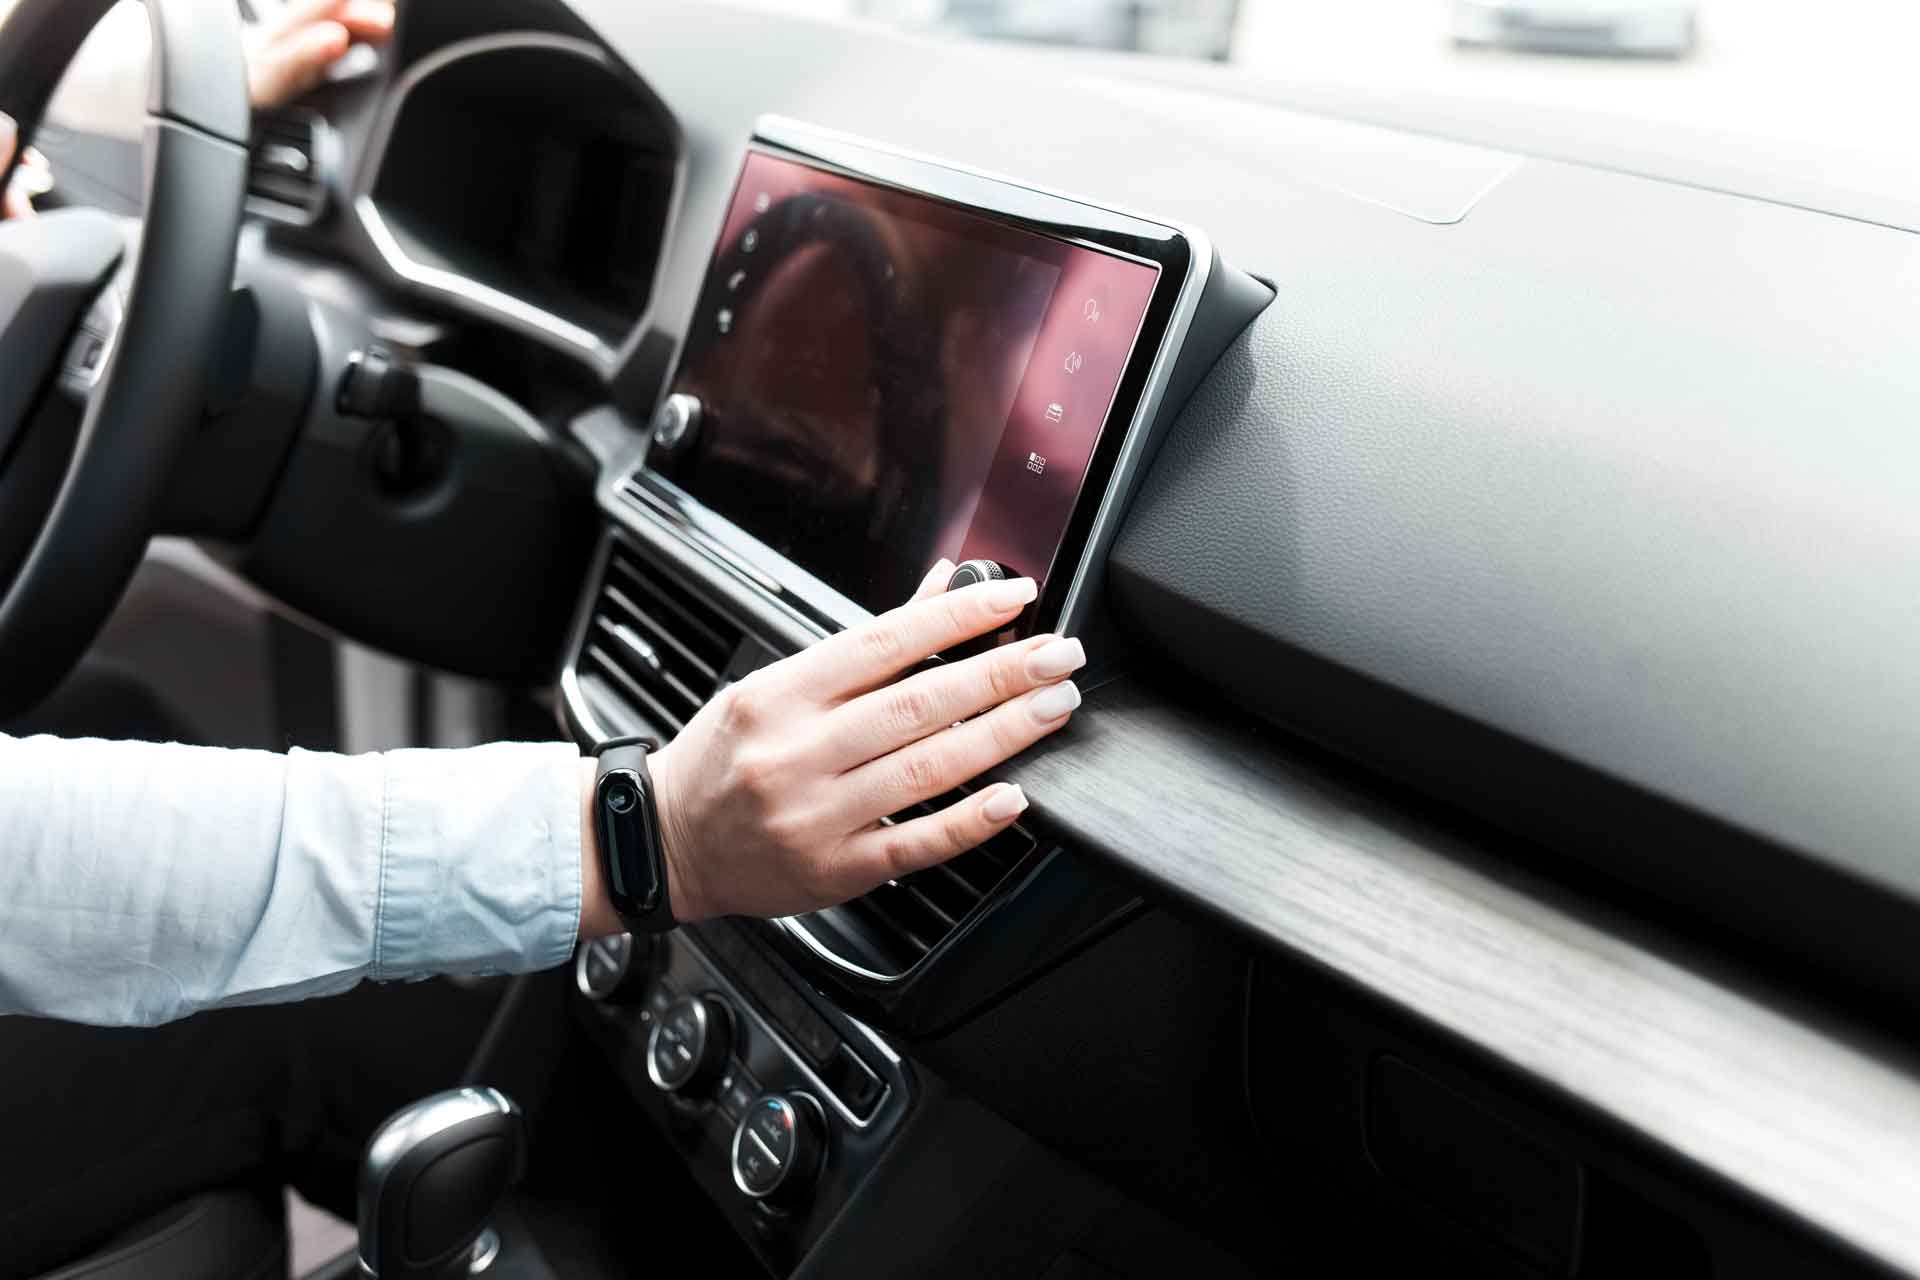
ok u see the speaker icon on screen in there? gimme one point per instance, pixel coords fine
(1073, 362)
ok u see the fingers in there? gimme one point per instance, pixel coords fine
(936, 580)
(887, 719)
(293, 63)
(367, 20)
(309, 37)
(868, 656)
(30, 178)
(887, 853)
(299, 13)
(370, 20)
(937, 764)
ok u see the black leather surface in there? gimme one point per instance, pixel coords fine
(224, 1235)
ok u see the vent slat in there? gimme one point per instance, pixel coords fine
(706, 626)
(949, 886)
(661, 635)
(653, 645)
(620, 639)
(897, 912)
(643, 698)
(918, 892)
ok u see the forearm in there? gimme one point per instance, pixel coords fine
(139, 883)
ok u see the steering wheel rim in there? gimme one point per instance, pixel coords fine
(146, 404)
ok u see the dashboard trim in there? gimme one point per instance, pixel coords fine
(1813, 1117)
(450, 286)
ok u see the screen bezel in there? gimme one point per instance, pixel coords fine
(1183, 257)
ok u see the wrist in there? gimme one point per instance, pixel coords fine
(597, 916)
(683, 888)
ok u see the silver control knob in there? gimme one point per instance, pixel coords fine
(968, 572)
(778, 1147)
(613, 969)
(688, 1047)
(675, 421)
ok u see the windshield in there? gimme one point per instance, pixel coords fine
(1835, 74)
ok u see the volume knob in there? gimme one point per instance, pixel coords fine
(675, 422)
(968, 572)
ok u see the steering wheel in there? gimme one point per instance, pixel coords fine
(78, 499)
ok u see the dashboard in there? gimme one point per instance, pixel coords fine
(1489, 814)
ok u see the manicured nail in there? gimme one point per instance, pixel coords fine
(1055, 701)
(1056, 658)
(1011, 594)
(942, 568)
(1003, 802)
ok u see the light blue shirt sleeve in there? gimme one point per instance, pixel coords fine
(141, 882)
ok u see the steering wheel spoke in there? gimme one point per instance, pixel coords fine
(133, 353)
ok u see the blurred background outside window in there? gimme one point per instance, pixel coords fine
(1837, 73)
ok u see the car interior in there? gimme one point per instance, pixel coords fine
(1488, 843)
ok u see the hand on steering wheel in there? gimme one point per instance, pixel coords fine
(32, 177)
(287, 55)
(772, 799)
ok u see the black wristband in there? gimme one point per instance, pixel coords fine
(626, 820)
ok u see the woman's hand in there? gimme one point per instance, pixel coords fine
(30, 179)
(771, 798)
(287, 55)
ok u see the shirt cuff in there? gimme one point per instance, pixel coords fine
(479, 861)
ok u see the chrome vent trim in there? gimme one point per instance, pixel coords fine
(290, 164)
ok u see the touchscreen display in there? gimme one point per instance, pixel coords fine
(886, 379)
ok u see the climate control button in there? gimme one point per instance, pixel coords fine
(778, 1147)
(613, 969)
(688, 1046)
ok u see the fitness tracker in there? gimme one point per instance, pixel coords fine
(627, 823)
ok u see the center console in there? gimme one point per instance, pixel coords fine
(891, 360)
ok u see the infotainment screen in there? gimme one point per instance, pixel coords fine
(884, 378)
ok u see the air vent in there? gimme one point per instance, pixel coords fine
(286, 178)
(654, 652)
(890, 930)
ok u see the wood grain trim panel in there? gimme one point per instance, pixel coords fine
(1820, 1123)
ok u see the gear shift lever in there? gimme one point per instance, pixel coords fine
(428, 1181)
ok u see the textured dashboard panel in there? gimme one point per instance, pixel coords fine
(1622, 470)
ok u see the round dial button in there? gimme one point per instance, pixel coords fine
(613, 969)
(688, 1046)
(675, 421)
(968, 572)
(777, 1148)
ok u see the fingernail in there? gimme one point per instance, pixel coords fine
(1056, 658)
(1012, 594)
(1003, 802)
(1054, 701)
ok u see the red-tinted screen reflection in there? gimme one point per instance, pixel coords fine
(887, 379)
